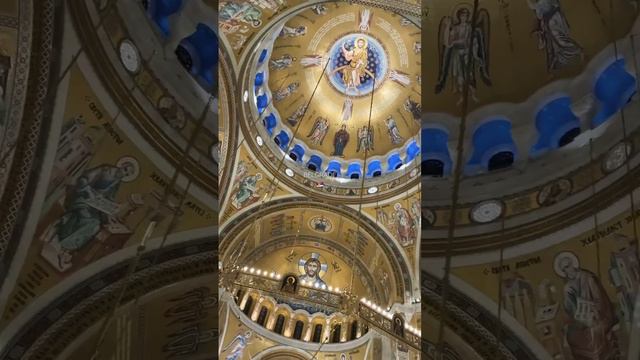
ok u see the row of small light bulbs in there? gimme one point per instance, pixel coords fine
(388, 315)
(274, 275)
(318, 286)
(265, 273)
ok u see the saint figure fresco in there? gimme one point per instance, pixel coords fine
(319, 131)
(283, 62)
(459, 41)
(392, 129)
(404, 225)
(340, 141)
(286, 92)
(589, 312)
(293, 31)
(237, 345)
(365, 139)
(90, 204)
(552, 30)
(246, 190)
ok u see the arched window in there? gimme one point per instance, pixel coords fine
(297, 331)
(239, 296)
(501, 160)
(262, 318)
(279, 324)
(436, 159)
(493, 147)
(317, 333)
(247, 306)
(432, 167)
(335, 333)
(354, 330)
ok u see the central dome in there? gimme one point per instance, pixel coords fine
(344, 86)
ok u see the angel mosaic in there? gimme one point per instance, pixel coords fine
(294, 119)
(319, 131)
(319, 9)
(347, 109)
(283, 62)
(414, 108)
(286, 92)
(393, 131)
(365, 20)
(288, 32)
(311, 61)
(365, 139)
(459, 42)
(552, 30)
(400, 77)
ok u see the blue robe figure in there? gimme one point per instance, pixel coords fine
(88, 207)
(340, 141)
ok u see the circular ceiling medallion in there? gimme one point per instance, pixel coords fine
(554, 192)
(428, 216)
(616, 157)
(358, 63)
(486, 211)
(129, 56)
(320, 224)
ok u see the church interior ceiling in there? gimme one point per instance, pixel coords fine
(277, 180)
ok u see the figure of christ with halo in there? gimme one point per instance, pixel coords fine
(353, 72)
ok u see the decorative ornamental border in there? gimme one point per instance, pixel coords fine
(464, 312)
(27, 131)
(50, 331)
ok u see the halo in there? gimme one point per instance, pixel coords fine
(303, 259)
(134, 164)
(358, 38)
(460, 6)
(329, 224)
(561, 256)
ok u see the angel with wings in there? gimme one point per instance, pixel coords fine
(319, 131)
(365, 139)
(460, 42)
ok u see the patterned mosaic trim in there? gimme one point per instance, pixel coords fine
(398, 6)
(9, 21)
(25, 129)
(467, 314)
(55, 327)
(18, 89)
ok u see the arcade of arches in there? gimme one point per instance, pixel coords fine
(300, 179)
